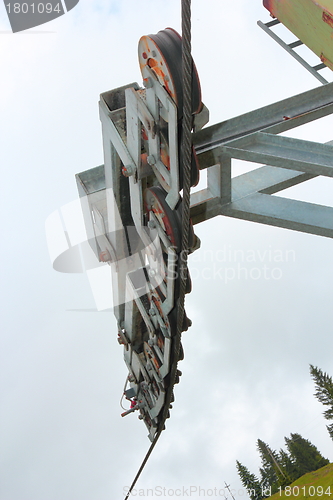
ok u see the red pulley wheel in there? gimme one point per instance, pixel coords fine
(163, 54)
(168, 219)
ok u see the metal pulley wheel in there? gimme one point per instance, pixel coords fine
(170, 220)
(173, 319)
(162, 53)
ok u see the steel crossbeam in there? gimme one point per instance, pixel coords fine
(275, 118)
(253, 137)
(282, 212)
(294, 154)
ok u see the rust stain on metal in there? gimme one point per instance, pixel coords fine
(268, 4)
(152, 356)
(326, 61)
(165, 158)
(164, 78)
(144, 134)
(144, 39)
(328, 18)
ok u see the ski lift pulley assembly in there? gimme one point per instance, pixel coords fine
(141, 215)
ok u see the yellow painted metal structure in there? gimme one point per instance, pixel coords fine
(311, 21)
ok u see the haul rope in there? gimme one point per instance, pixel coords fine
(186, 147)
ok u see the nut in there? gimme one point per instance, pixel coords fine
(151, 160)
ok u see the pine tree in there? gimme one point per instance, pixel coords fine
(268, 471)
(289, 469)
(250, 482)
(281, 469)
(304, 454)
(277, 470)
(324, 393)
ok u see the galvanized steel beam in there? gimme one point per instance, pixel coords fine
(286, 152)
(274, 119)
(283, 212)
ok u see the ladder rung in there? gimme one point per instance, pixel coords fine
(319, 66)
(297, 43)
(292, 52)
(272, 23)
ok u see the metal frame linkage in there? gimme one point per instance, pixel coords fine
(286, 162)
(129, 232)
(125, 113)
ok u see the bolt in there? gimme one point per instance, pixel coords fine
(152, 312)
(151, 224)
(151, 160)
(152, 273)
(128, 170)
(105, 256)
(147, 83)
(153, 53)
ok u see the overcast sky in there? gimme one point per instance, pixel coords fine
(246, 368)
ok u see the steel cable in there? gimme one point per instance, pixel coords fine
(186, 148)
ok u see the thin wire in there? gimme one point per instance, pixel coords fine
(121, 403)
